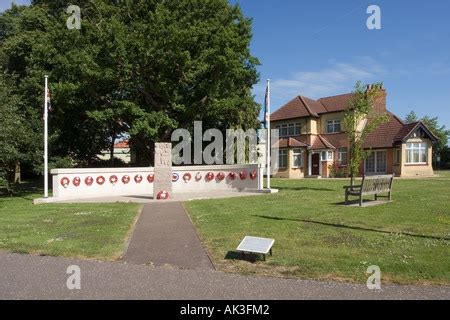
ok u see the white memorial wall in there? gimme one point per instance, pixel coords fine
(101, 182)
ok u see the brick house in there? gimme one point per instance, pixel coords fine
(313, 142)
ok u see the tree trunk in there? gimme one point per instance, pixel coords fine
(111, 151)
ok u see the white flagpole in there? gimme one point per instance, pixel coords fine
(46, 139)
(268, 134)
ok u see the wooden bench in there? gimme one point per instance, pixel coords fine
(371, 185)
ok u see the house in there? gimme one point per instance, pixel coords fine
(313, 143)
(121, 151)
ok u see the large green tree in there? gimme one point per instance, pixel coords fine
(440, 148)
(137, 67)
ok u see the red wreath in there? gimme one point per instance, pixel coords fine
(162, 195)
(220, 176)
(253, 175)
(125, 179)
(100, 180)
(187, 176)
(150, 178)
(89, 181)
(243, 175)
(76, 181)
(232, 175)
(65, 182)
(113, 179)
(209, 176)
(198, 176)
(138, 178)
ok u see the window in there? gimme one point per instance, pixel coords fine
(297, 129)
(416, 153)
(342, 156)
(333, 126)
(376, 162)
(398, 156)
(291, 129)
(327, 155)
(282, 158)
(298, 158)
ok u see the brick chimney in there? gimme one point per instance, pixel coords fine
(379, 107)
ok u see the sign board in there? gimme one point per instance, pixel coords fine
(256, 245)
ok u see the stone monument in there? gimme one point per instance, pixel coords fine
(163, 170)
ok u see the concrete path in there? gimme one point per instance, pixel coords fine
(37, 277)
(164, 236)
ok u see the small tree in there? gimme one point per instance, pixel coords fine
(360, 108)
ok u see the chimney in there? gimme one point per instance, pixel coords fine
(379, 107)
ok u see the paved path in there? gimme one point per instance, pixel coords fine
(37, 277)
(164, 235)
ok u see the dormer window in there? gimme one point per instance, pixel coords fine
(333, 126)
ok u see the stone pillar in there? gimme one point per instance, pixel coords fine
(163, 169)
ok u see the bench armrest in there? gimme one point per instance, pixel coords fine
(352, 187)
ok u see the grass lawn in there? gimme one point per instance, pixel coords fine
(409, 239)
(72, 230)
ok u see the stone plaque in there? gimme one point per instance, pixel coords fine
(163, 169)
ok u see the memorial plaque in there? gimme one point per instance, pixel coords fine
(256, 245)
(163, 169)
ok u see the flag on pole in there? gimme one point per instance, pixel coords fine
(49, 105)
(266, 108)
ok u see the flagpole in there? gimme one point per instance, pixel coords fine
(268, 134)
(46, 139)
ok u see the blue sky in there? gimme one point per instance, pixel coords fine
(319, 48)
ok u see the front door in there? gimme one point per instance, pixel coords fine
(315, 164)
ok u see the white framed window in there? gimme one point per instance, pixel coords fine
(282, 158)
(291, 129)
(333, 126)
(416, 153)
(342, 156)
(297, 158)
(326, 155)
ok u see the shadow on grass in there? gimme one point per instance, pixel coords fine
(22, 190)
(305, 188)
(235, 255)
(336, 225)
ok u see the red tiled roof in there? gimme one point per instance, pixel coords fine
(318, 142)
(335, 103)
(385, 135)
(122, 144)
(336, 139)
(291, 142)
(293, 109)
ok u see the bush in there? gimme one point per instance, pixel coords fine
(338, 172)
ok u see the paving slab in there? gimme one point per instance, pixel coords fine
(165, 236)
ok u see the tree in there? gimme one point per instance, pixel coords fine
(440, 131)
(15, 145)
(136, 67)
(360, 108)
